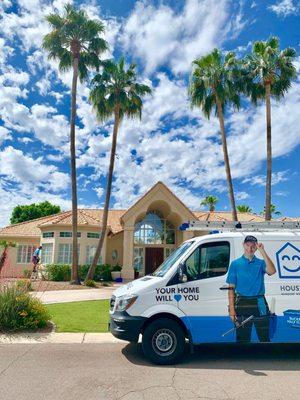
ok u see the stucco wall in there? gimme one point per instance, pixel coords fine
(83, 241)
(115, 242)
(15, 270)
(11, 267)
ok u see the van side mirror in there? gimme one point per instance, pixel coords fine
(182, 276)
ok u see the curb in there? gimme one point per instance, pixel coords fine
(53, 337)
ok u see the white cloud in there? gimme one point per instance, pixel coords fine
(5, 52)
(5, 4)
(55, 157)
(241, 196)
(41, 119)
(173, 143)
(281, 193)
(11, 197)
(25, 140)
(158, 34)
(99, 191)
(31, 173)
(190, 154)
(4, 134)
(284, 8)
(260, 180)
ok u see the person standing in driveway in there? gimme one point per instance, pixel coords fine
(246, 292)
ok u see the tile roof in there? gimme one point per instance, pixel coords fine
(93, 218)
(227, 216)
(86, 217)
(296, 219)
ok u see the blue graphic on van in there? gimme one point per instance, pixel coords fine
(288, 261)
(211, 329)
(292, 318)
(177, 297)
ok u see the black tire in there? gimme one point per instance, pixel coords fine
(163, 341)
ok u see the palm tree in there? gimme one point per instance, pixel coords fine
(5, 245)
(210, 201)
(75, 41)
(269, 72)
(115, 93)
(243, 208)
(214, 85)
(272, 210)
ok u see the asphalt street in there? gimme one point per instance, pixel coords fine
(119, 371)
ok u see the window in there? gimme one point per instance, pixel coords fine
(68, 234)
(47, 252)
(48, 234)
(138, 258)
(168, 251)
(192, 265)
(174, 257)
(65, 253)
(90, 253)
(154, 229)
(24, 253)
(65, 234)
(93, 235)
(208, 261)
(114, 255)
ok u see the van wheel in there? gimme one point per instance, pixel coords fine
(163, 341)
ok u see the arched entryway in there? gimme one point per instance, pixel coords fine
(154, 240)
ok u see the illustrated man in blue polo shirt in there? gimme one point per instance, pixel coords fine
(247, 291)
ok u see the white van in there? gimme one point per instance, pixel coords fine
(185, 298)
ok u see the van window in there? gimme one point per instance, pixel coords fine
(208, 261)
(173, 257)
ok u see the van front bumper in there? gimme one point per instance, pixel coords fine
(126, 327)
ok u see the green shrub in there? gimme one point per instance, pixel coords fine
(62, 272)
(19, 311)
(27, 273)
(58, 272)
(102, 272)
(90, 283)
(117, 268)
(24, 284)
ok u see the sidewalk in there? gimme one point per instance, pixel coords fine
(65, 296)
(80, 337)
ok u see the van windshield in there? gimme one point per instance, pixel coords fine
(173, 257)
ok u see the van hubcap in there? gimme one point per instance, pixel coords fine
(164, 342)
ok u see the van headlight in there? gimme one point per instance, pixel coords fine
(123, 303)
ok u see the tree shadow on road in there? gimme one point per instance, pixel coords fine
(254, 359)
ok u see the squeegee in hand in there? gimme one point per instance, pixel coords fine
(238, 325)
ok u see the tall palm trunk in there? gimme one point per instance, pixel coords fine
(3, 258)
(269, 152)
(226, 161)
(75, 276)
(91, 272)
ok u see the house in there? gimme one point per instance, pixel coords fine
(141, 236)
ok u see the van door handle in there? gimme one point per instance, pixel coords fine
(226, 287)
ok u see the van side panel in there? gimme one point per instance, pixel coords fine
(208, 317)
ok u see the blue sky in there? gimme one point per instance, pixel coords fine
(172, 143)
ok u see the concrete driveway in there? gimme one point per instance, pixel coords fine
(119, 371)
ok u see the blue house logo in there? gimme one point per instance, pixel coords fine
(288, 262)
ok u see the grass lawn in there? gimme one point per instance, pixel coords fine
(80, 316)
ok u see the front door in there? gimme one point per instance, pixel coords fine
(154, 257)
